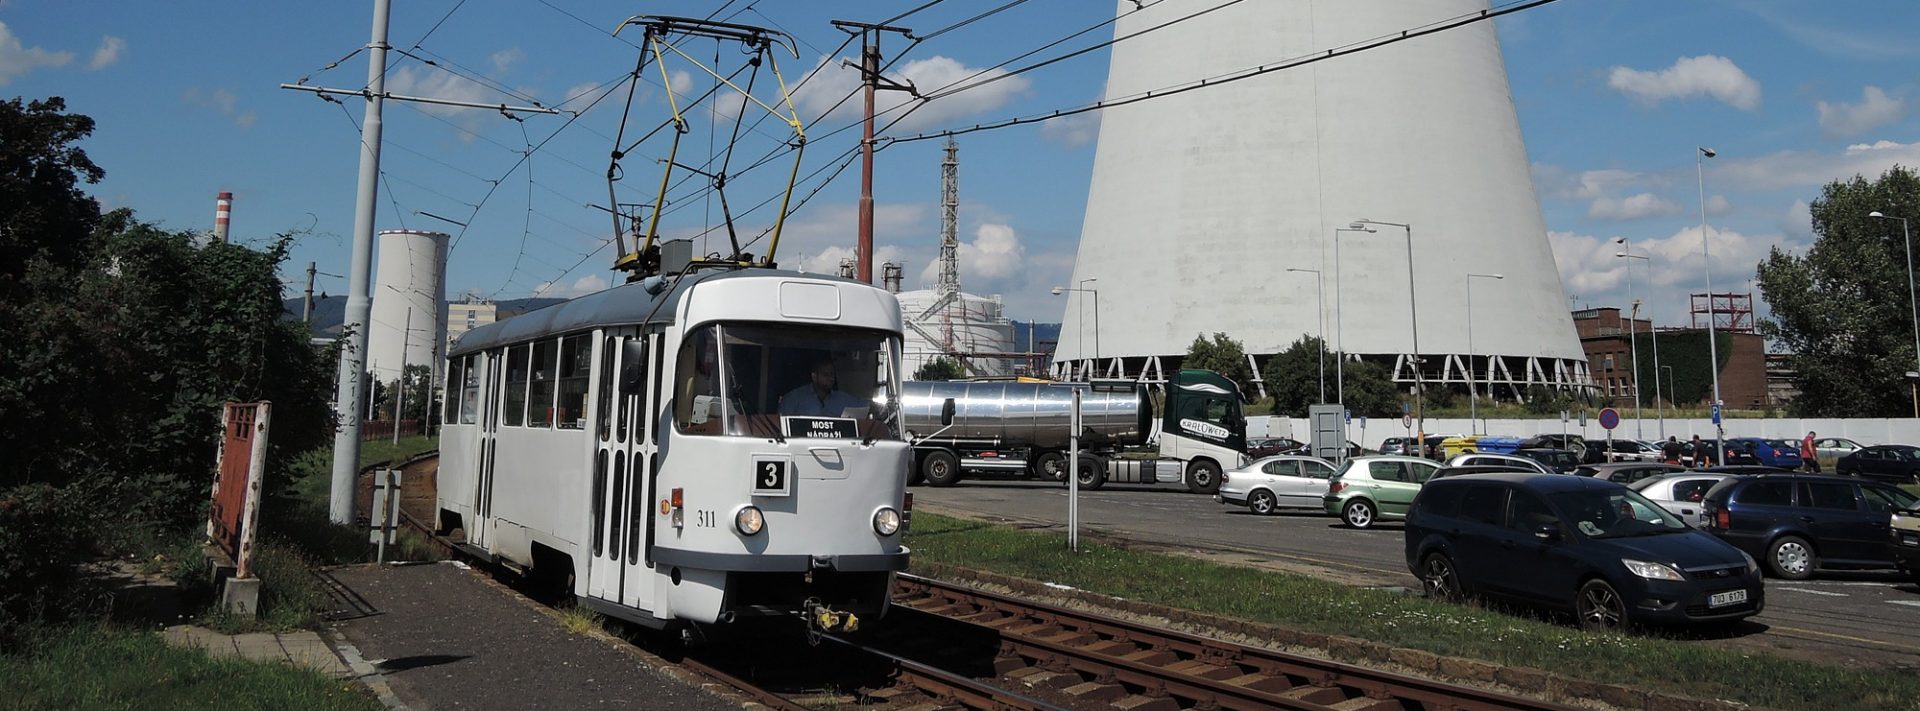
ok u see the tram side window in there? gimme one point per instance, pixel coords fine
(696, 392)
(470, 389)
(514, 413)
(450, 401)
(540, 392)
(576, 360)
(608, 382)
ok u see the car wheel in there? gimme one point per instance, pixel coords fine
(1792, 557)
(1441, 580)
(1262, 502)
(940, 468)
(1203, 478)
(1093, 472)
(1600, 607)
(1051, 466)
(1358, 513)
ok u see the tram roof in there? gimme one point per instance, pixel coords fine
(625, 305)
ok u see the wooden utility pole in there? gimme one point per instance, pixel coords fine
(306, 306)
(870, 77)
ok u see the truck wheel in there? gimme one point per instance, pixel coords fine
(1093, 472)
(1203, 477)
(940, 469)
(1051, 466)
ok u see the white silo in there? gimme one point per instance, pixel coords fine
(967, 327)
(409, 289)
(1201, 201)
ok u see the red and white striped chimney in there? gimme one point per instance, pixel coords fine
(222, 211)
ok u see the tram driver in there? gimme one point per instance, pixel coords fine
(818, 397)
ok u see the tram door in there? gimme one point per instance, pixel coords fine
(479, 529)
(620, 471)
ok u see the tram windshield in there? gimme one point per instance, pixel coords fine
(788, 380)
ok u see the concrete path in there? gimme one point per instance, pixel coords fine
(302, 649)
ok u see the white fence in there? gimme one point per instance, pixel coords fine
(1902, 430)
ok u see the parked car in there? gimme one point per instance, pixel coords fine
(1626, 450)
(1680, 493)
(1500, 460)
(1800, 523)
(1367, 490)
(1905, 546)
(1561, 461)
(1835, 447)
(1735, 454)
(1404, 446)
(1625, 472)
(1766, 452)
(1893, 462)
(1570, 442)
(1306, 449)
(1273, 483)
(1271, 446)
(1594, 547)
(1743, 470)
(1451, 470)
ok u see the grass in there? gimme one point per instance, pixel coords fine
(98, 667)
(1311, 604)
(579, 621)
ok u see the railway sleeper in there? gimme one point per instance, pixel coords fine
(1365, 703)
(1261, 682)
(1154, 657)
(1095, 691)
(1147, 703)
(1323, 695)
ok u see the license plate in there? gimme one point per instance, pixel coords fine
(1730, 597)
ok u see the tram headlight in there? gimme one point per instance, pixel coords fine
(886, 521)
(748, 520)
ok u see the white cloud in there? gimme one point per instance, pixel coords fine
(1799, 218)
(505, 58)
(16, 60)
(827, 261)
(1557, 182)
(1717, 205)
(989, 261)
(1632, 208)
(682, 82)
(108, 53)
(1799, 169)
(428, 81)
(1875, 109)
(579, 92)
(1076, 130)
(1592, 273)
(222, 101)
(580, 287)
(1705, 75)
(837, 80)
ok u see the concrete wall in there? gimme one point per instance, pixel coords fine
(1904, 430)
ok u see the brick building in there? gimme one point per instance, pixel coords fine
(1606, 336)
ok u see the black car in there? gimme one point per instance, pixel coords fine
(1744, 470)
(1270, 446)
(1799, 523)
(1890, 462)
(1737, 454)
(1560, 460)
(1578, 543)
(1478, 469)
(1405, 445)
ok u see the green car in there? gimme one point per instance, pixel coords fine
(1370, 489)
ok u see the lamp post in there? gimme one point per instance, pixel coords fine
(1908, 236)
(1413, 307)
(1713, 340)
(1340, 364)
(1659, 408)
(1473, 391)
(1058, 290)
(1320, 306)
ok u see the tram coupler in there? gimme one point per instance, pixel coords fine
(821, 618)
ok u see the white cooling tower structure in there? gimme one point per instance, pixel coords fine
(409, 304)
(1200, 202)
(978, 326)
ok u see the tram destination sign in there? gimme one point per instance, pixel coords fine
(822, 427)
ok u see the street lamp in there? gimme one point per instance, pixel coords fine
(1320, 306)
(1340, 364)
(1910, 294)
(1413, 308)
(1713, 341)
(1659, 407)
(1058, 290)
(1473, 391)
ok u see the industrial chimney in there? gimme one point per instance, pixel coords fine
(222, 210)
(890, 277)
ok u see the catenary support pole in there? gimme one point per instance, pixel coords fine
(349, 386)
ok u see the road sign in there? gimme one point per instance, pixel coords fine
(1716, 413)
(1349, 416)
(1609, 418)
(1583, 419)
(1564, 416)
(1406, 420)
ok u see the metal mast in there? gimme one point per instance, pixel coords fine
(950, 235)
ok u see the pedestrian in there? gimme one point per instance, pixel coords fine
(1809, 457)
(1699, 452)
(1670, 452)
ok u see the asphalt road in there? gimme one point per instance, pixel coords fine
(1838, 618)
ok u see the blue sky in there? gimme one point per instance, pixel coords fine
(1613, 96)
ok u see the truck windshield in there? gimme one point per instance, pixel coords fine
(786, 380)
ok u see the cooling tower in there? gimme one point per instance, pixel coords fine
(978, 326)
(1200, 202)
(408, 303)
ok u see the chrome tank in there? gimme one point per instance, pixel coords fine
(1029, 414)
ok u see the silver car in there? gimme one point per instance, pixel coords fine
(1680, 494)
(1273, 483)
(1834, 447)
(1498, 460)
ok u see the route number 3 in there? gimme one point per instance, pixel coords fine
(770, 477)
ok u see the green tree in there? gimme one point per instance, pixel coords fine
(1834, 308)
(1221, 355)
(942, 368)
(1370, 390)
(1293, 376)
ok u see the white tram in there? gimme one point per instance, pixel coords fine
(633, 445)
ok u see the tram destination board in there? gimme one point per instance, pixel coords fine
(822, 427)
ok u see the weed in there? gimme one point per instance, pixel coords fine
(579, 621)
(100, 667)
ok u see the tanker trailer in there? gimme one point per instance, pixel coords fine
(1024, 429)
